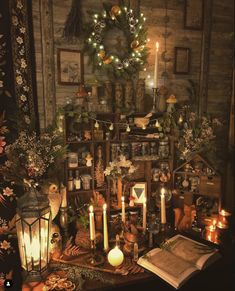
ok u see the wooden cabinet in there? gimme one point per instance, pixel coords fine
(198, 177)
(108, 134)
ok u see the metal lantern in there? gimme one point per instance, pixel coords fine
(33, 222)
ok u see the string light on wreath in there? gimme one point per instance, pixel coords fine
(123, 18)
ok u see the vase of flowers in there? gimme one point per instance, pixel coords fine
(120, 170)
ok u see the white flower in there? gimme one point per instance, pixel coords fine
(19, 39)
(23, 63)
(23, 98)
(5, 245)
(19, 80)
(8, 191)
(22, 29)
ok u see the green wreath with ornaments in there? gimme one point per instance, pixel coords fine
(123, 18)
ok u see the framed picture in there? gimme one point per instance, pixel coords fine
(139, 192)
(182, 60)
(193, 14)
(69, 67)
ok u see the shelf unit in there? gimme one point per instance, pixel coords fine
(119, 138)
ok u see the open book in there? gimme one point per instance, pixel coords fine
(179, 259)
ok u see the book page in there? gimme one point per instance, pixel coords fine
(169, 267)
(190, 250)
(169, 263)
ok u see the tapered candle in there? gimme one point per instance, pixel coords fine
(92, 223)
(105, 228)
(144, 214)
(123, 210)
(163, 206)
(156, 66)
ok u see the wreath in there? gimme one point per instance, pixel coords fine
(134, 58)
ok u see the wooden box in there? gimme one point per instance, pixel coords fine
(210, 186)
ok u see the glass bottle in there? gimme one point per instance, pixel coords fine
(77, 181)
(70, 181)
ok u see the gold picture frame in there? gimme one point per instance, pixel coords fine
(139, 192)
(69, 67)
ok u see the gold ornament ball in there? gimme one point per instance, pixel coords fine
(115, 10)
(101, 54)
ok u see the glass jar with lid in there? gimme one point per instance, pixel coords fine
(72, 160)
(163, 149)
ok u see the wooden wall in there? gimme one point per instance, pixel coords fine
(49, 18)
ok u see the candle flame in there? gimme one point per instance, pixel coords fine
(157, 46)
(123, 198)
(105, 206)
(223, 212)
(91, 208)
(162, 191)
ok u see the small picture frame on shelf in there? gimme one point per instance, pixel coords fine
(193, 14)
(69, 67)
(182, 60)
(139, 192)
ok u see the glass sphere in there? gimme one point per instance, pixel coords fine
(163, 191)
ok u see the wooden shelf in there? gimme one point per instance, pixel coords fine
(80, 191)
(79, 167)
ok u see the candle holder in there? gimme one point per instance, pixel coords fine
(95, 259)
(155, 95)
(64, 223)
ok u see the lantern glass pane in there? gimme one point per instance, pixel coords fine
(27, 245)
(21, 242)
(44, 242)
(35, 244)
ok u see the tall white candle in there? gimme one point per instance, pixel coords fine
(123, 210)
(156, 66)
(105, 228)
(144, 214)
(163, 206)
(92, 223)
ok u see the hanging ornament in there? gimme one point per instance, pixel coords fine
(101, 54)
(108, 60)
(102, 23)
(132, 29)
(132, 22)
(128, 129)
(126, 63)
(143, 126)
(135, 45)
(157, 124)
(119, 66)
(129, 14)
(116, 10)
(111, 126)
(98, 38)
(97, 124)
(97, 28)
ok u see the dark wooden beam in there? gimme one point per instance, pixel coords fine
(205, 57)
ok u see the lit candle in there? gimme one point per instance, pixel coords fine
(224, 216)
(105, 227)
(163, 206)
(144, 213)
(92, 223)
(123, 210)
(63, 196)
(115, 257)
(156, 66)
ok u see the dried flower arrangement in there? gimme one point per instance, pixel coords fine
(120, 168)
(32, 158)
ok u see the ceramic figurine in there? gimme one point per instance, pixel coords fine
(129, 95)
(89, 160)
(171, 103)
(140, 95)
(118, 96)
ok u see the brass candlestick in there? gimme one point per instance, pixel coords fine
(155, 95)
(95, 259)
